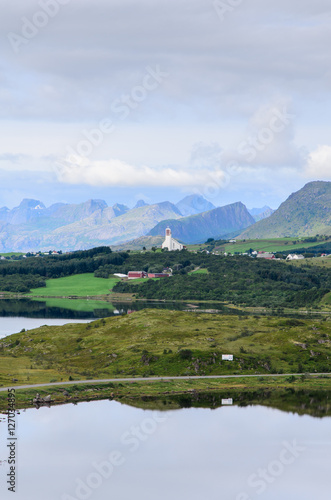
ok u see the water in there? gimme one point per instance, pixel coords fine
(105, 450)
(10, 325)
(23, 313)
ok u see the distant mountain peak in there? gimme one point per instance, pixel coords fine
(32, 204)
(194, 204)
(140, 203)
(261, 213)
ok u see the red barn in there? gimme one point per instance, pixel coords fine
(137, 274)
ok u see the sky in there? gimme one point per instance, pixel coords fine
(124, 100)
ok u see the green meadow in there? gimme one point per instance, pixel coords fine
(79, 285)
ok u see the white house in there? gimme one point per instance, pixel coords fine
(170, 243)
(293, 256)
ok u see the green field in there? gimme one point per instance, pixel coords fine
(315, 261)
(265, 245)
(164, 343)
(200, 271)
(9, 254)
(79, 285)
(268, 245)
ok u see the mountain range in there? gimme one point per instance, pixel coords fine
(32, 226)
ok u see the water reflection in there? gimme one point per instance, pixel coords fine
(104, 450)
(88, 309)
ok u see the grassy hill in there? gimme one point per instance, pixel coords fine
(305, 213)
(142, 343)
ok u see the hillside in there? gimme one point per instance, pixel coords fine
(143, 344)
(305, 213)
(212, 224)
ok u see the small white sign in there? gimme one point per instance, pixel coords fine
(227, 357)
(228, 401)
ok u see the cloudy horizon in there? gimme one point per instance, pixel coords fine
(125, 100)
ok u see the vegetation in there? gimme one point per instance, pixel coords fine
(304, 213)
(240, 281)
(284, 246)
(164, 343)
(80, 285)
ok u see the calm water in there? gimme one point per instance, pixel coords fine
(104, 450)
(14, 325)
(18, 314)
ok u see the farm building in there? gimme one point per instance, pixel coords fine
(265, 255)
(137, 274)
(294, 256)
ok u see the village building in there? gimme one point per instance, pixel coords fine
(265, 255)
(294, 256)
(170, 243)
(133, 275)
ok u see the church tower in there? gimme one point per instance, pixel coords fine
(168, 239)
(170, 243)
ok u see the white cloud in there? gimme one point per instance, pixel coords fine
(118, 173)
(319, 163)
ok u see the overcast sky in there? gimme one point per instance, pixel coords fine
(156, 99)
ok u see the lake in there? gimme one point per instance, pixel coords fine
(24, 313)
(106, 450)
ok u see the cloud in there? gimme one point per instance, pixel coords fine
(118, 173)
(319, 163)
(100, 49)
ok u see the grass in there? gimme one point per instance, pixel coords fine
(79, 285)
(199, 271)
(265, 245)
(315, 261)
(157, 342)
(268, 245)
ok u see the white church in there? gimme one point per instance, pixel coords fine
(170, 243)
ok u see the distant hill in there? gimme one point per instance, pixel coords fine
(212, 224)
(261, 213)
(139, 243)
(305, 213)
(194, 204)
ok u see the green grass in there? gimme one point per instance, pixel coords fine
(315, 261)
(80, 285)
(268, 245)
(9, 254)
(263, 245)
(199, 271)
(151, 342)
